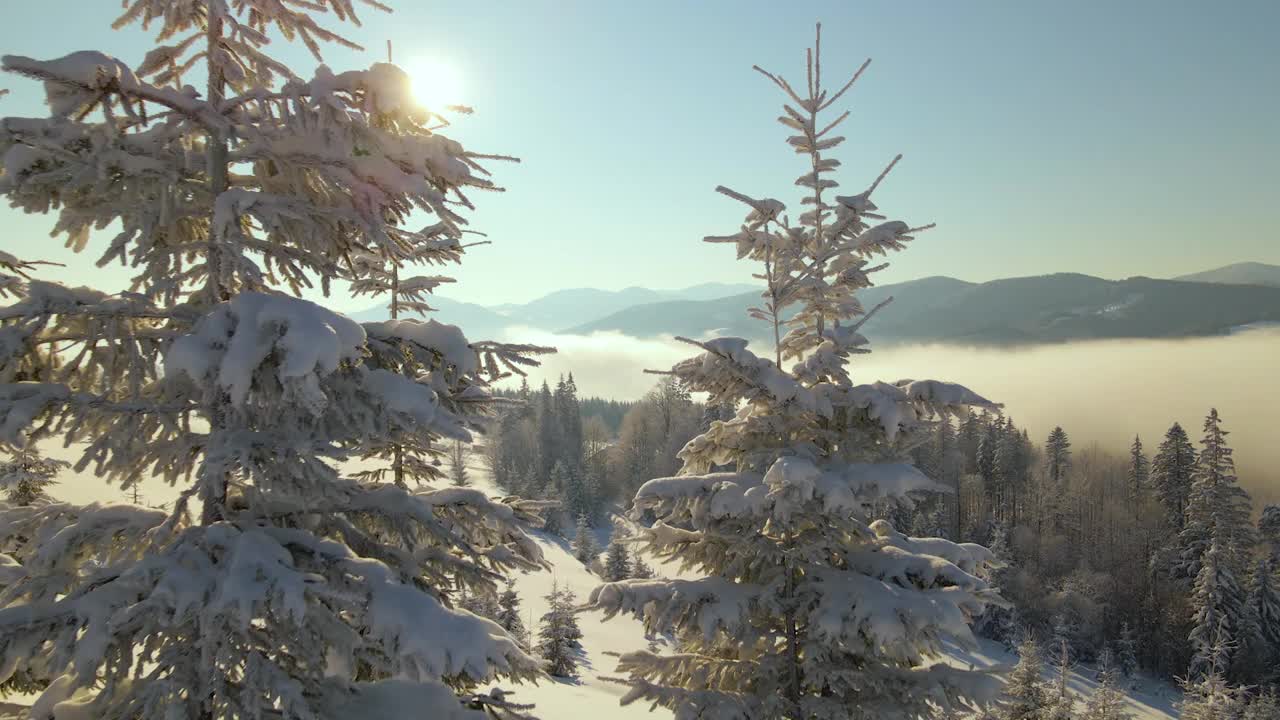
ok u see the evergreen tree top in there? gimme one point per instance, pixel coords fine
(820, 602)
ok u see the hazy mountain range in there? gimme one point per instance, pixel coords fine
(1046, 308)
(1245, 273)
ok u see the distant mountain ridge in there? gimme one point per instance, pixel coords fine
(561, 308)
(1046, 308)
(1245, 273)
(1037, 309)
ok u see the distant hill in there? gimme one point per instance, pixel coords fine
(1046, 308)
(562, 308)
(1245, 273)
(575, 306)
(478, 321)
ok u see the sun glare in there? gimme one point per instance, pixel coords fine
(436, 83)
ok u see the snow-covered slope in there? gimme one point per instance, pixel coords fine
(590, 696)
(1149, 698)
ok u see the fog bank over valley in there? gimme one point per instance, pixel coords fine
(1100, 391)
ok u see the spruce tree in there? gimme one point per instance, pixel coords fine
(1061, 701)
(573, 491)
(968, 437)
(1269, 530)
(1264, 612)
(569, 417)
(559, 634)
(484, 604)
(1171, 474)
(617, 564)
(1263, 706)
(1057, 455)
(1139, 474)
(1065, 633)
(1217, 508)
(26, 475)
(1210, 696)
(548, 433)
(1025, 696)
(274, 584)
(1218, 606)
(458, 476)
(796, 601)
(585, 547)
(639, 570)
(1106, 702)
(947, 468)
(509, 614)
(987, 447)
(999, 623)
(1126, 651)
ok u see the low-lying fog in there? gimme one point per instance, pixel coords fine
(1100, 391)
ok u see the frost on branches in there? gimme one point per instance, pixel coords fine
(276, 586)
(807, 606)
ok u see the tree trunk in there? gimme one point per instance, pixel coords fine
(214, 495)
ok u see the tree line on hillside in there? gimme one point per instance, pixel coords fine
(1103, 554)
(548, 444)
(1136, 561)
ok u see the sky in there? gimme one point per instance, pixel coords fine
(1115, 139)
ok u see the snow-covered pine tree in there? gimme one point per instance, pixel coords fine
(559, 633)
(1218, 606)
(571, 486)
(806, 607)
(1263, 706)
(379, 274)
(1139, 474)
(1171, 474)
(1000, 622)
(585, 547)
(1210, 696)
(1061, 702)
(639, 570)
(483, 604)
(987, 446)
(1057, 454)
(26, 475)
(1106, 702)
(569, 417)
(617, 563)
(458, 476)
(1269, 530)
(1126, 651)
(279, 597)
(549, 432)
(509, 614)
(1025, 695)
(1264, 616)
(1217, 507)
(1064, 635)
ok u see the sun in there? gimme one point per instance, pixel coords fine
(436, 83)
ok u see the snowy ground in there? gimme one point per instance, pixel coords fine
(588, 696)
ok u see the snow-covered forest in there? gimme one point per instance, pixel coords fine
(387, 520)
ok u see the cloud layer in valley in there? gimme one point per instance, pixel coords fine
(1100, 391)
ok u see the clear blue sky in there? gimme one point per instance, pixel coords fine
(1112, 138)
